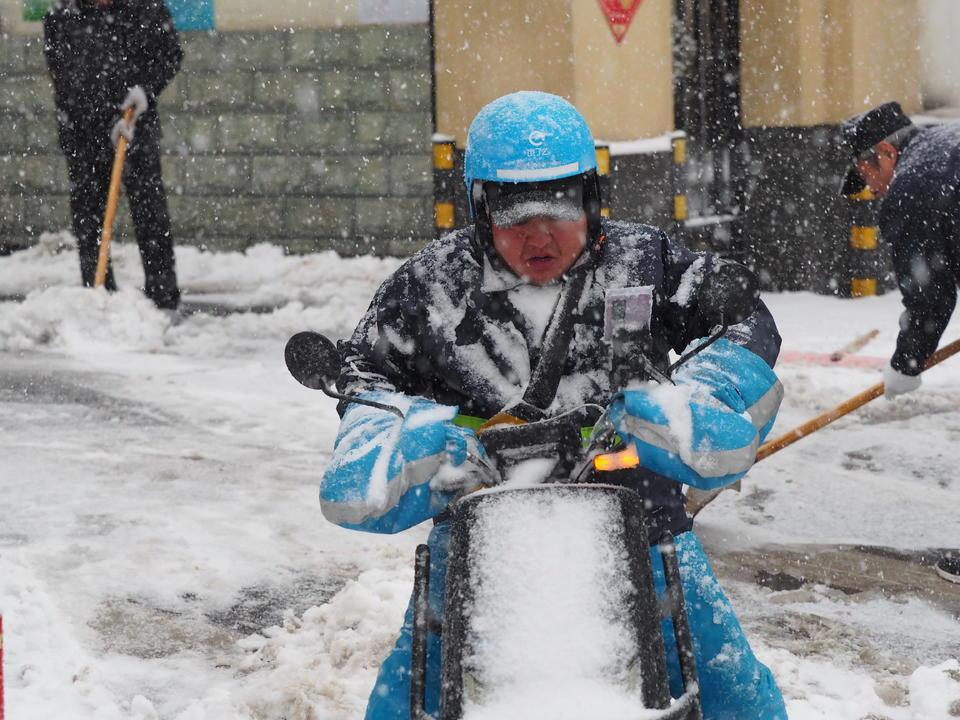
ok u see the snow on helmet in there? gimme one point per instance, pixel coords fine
(529, 137)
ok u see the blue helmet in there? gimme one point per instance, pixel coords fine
(528, 137)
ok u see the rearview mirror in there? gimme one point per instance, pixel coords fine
(313, 360)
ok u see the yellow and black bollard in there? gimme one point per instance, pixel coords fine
(603, 174)
(863, 245)
(444, 210)
(678, 142)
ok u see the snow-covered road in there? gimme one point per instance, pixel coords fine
(162, 553)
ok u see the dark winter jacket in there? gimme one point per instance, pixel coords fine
(920, 218)
(450, 326)
(95, 55)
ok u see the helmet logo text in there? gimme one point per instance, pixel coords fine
(537, 137)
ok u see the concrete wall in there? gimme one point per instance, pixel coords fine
(312, 139)
(301, 14)
(258, 15)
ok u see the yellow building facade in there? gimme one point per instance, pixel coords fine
(803, 62)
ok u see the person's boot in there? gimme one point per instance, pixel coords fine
(163, 291)
(88, 274)
(948, 567)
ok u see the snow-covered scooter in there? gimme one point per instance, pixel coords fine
(550, 605)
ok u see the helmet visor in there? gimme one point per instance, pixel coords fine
(516, 203)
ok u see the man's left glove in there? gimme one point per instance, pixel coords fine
(705, 430)
(136, 99)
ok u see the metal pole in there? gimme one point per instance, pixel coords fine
(603, 174)
(432, 31)
(444, 182)
(864, 243)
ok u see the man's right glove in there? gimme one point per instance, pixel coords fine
(136, 99)
(383, 476)
(896, 383)
(705, 430)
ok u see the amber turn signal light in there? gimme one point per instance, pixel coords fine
(621, 460)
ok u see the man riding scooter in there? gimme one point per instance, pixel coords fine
(503, 322)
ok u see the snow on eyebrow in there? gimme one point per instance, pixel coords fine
(529, 209)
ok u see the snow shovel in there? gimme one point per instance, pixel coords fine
(698, 502)
(857, 401)
(113, 197)
(853, 347)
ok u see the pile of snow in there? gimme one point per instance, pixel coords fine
(321, 292)
(931, 689)
(80, 321)
(818, 691)
(67, 683)
(265, 275)
(321, 664)
(261, 275)
(77, 320)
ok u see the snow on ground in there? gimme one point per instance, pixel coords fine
(261, 276)
(162, 553)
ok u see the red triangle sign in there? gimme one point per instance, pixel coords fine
(619, 14)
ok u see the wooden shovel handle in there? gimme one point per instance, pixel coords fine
(874, 391)
(113, 197)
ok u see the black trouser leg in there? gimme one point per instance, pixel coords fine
(88, 166)
(151, 222)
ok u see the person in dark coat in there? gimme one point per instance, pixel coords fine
(105, 56)
(457, 335)
(916, 173)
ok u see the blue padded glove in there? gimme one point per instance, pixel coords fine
(379, 478)
(704, 431)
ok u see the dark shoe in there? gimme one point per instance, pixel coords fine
(164, 299)
(948, 567)
(173, 316)
(163, 290)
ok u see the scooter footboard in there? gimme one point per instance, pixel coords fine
(550, 603)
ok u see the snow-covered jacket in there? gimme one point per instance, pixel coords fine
(920, 218)
(452, 325)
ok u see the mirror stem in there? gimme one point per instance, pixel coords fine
(697, 350)
(360, 401)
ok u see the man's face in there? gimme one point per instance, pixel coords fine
(541, 249)
(878, 167)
